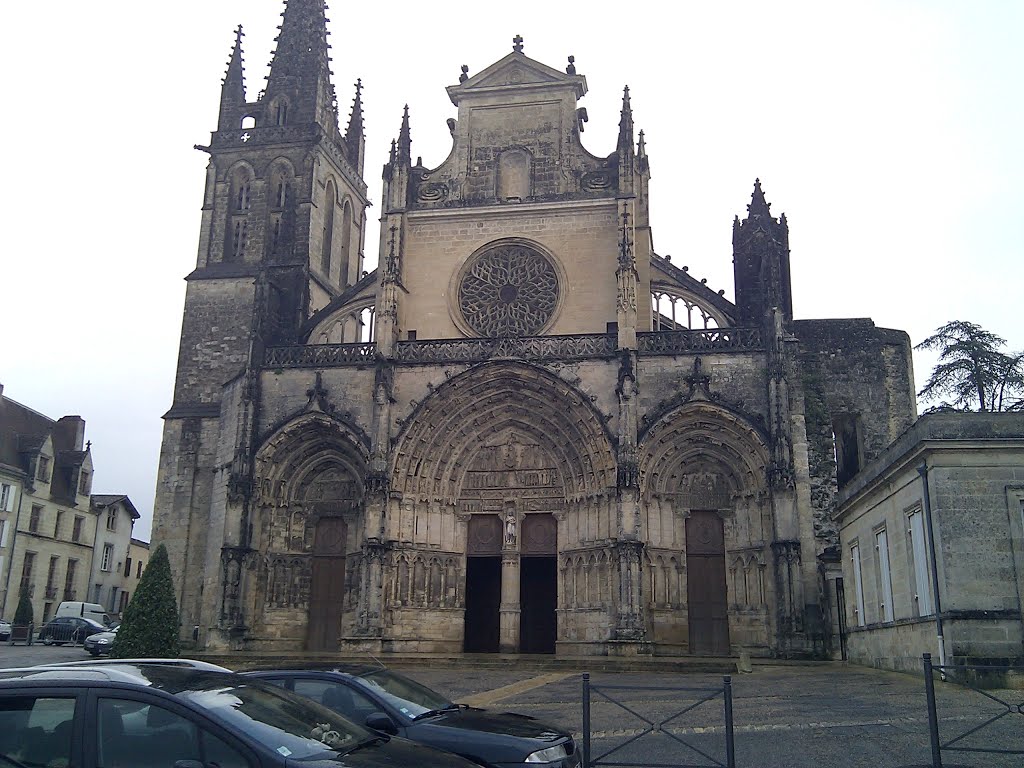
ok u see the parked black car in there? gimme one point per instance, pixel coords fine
(393, 704)
(161, 715)
(69, 629)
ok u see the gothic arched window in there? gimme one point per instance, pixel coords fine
(330, 201)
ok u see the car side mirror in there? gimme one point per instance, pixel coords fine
(188, 764)
(378, 721)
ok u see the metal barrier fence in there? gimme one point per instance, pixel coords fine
(704, 695)
(955, 744)
(63, 633)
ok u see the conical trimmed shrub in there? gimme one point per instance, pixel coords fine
(23, 615)
(150, 625)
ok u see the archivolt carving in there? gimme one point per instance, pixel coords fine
(442, 438)
(703, 454)
(312, 458)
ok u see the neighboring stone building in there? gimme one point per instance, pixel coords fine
(111, 580)
(525, 431)
(973, 464)
(48, 527)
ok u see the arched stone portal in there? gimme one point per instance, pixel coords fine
(491, 468)
(706, 507)
(309, 506)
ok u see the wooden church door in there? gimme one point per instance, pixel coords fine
(707, 599)
(327, 586)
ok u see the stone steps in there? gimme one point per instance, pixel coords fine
(525, 662)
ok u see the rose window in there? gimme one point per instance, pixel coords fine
(509, 290)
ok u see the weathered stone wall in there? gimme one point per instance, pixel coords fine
(215, 335)
(851, 367)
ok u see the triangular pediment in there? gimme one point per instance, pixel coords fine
(516, 70)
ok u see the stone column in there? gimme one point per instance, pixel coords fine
(509, 612)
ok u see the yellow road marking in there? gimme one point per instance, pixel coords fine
(488, 698)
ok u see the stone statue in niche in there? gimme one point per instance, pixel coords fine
(510, 527)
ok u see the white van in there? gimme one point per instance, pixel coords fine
(93, 611)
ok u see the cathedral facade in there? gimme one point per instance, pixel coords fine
(525, 431)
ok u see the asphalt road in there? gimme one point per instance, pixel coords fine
(813, 716)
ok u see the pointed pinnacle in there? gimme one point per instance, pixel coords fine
(758, 205)
(234, 77)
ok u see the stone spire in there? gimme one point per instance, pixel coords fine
(626, 124)
(232, 93)
(355, 140)
(760, 246)
(405, 139)
(300, 71)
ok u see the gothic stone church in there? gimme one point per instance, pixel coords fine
(525, 431)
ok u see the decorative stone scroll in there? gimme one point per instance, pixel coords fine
(509, 290)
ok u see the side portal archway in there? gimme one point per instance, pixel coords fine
(309, 507)
(707, 507)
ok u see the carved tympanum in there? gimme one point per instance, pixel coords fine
(509, 290)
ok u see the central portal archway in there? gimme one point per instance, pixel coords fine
(507, 448)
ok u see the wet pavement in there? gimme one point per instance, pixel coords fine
(792, 716)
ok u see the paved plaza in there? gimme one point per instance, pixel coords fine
(791, 716)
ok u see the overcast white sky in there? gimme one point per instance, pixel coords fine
(889, 133)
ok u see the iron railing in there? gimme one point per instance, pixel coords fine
(701, 696)
(959, 674)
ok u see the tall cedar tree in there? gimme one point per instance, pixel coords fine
(23, 615)
(150, 626)
(972, 370)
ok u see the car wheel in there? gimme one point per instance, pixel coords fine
(47, 640)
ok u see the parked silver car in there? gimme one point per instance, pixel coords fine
(101, 642)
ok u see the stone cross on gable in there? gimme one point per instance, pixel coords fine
(517, 43)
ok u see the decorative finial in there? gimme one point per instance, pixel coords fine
(517, 43)
(571, 69)
(465, 73)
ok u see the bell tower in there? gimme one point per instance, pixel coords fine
(282, 233)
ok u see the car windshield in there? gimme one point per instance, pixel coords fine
(290, 725)
(407, 696)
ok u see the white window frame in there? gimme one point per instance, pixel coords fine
(112, 519)
(108, 557)
(858, 586)
(885, 606)
(6, 497)
(919, 554)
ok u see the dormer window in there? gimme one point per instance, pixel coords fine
(83, 483)
(43, 470)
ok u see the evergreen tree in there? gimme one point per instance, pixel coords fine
(23, 615)
(150, 626)
(972, 370)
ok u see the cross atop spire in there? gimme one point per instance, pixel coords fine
(517, 43)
